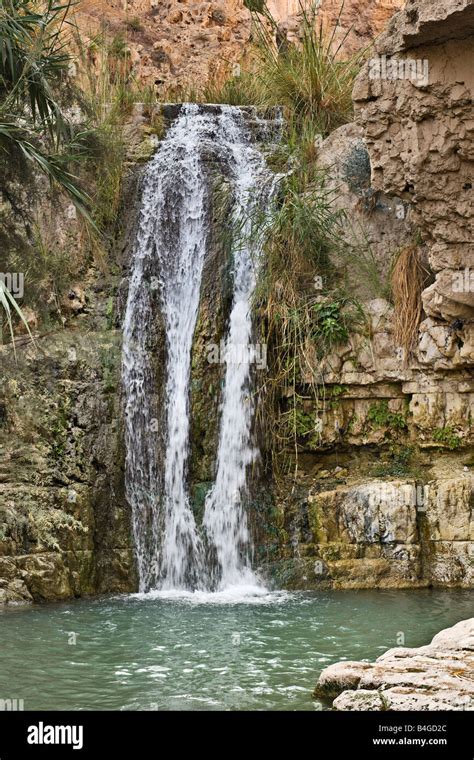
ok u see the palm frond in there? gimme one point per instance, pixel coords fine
(7, 301)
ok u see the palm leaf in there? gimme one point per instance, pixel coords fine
(7, 301)
(54, 166)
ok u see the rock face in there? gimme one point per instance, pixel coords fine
(65, 527)
(64, 522)
(181, 44)
(419, 133)
(402, 173)
(173, 45)
(390, 533)
(439, 676)
(358, 23)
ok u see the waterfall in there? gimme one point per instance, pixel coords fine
(169, 256)
(173, 552)
(225, 518)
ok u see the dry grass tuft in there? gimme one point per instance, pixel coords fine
(408, 280)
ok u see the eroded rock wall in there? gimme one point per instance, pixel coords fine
(65, 525)
(403, 175)
(419, 134)
(173, 45)
(179, 45)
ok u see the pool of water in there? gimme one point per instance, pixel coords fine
(259, 652)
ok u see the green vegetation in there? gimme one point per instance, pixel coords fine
(108, 360)
(332, 323)
(47, 72)
(256, 6)
(8, 303)
(33, 66)
(107, 100)
(309, 80)
(109, 313)
(36, 91)
(58, 432)
(379, 415)
(447, 437)
(108, 91)
(400, 462)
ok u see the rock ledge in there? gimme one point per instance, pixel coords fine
(439, 676)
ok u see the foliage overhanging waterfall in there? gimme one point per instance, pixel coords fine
(173, 551)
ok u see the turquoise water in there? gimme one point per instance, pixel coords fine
(262, 653)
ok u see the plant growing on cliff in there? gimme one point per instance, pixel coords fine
(446, 436)
(399, 461)
(33, 64)
(408, 282)
(108, 94)
(380, 415)
(332, 319)
(309, 78)
(299, 324)
(8, 303)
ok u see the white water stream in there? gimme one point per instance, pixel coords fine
(173, 552)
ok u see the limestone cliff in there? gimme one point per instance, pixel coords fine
(356, 23)
(385, 488)
(180, 45)
(403, 174)
(64, 522)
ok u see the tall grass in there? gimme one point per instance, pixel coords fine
(303, 310)
(310, 79)
(108, 91)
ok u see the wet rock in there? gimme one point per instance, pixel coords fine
(391, 533)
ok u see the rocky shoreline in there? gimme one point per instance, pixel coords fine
(439, 676)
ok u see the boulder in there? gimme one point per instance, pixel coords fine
(439, 676)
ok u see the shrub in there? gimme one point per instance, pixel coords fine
(379, 415)
(447, 437)
(33, 64)
(134, 24)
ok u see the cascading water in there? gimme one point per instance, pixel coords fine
(225, 519)
(169, 256)
(167, 269)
